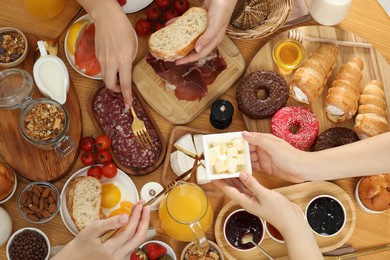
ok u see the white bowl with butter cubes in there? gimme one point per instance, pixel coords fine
(226, 155)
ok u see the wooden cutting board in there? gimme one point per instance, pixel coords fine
(300, 194)
(152, 87)
(26, 159)
(375, 67)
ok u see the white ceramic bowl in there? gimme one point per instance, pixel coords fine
(360, 203)
(169, 252)
(213, 140)
(337, 201)
(33, 229)
(15, 184)
(5, 226)
(23, 56)
(237, 234)
(212, 245)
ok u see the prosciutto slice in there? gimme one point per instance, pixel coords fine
(191, 79)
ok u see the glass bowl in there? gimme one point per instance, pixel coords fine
(36, 205)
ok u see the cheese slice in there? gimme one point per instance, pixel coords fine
(198, 140)
(180, 163)
(186, 145)
(201, 175)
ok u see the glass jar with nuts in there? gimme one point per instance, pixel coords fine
(39, 202)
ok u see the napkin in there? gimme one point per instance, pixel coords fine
(299, 13)
(386, 6)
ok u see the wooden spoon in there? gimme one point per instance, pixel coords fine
(248, 238)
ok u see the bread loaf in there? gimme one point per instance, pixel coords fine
(308, 80)
(342, 99)
(7, 181)
(374, 192)
(83, 200)
(372, 118)
(178, 39)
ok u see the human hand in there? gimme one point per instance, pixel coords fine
(276, 157)
(115, 49)
(87, 244)
(219, 12)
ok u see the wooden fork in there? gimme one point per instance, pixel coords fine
(141, 134)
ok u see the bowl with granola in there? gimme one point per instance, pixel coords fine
(192, 252)
(13, 47)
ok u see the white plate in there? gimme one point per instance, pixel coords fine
(121, 177)
(133, 6)
(71, 58)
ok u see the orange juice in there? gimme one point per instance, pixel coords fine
(44, 9)
(184, 205)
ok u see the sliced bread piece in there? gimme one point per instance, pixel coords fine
(178, 39)
(83, 200)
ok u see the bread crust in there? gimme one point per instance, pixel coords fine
(7, 181)
(374, 192)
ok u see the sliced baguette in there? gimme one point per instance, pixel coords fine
(83, 200)
(178, 39)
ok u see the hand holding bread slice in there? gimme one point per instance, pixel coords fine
(178, 39)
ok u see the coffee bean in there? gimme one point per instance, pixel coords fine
(28, 244)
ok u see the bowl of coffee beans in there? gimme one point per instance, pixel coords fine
(28, 243)
(39, 202)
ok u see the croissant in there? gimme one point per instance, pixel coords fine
(372, 118)
(308, 81)
(342, 100)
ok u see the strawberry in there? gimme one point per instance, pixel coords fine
(154, 251)
(138, 254)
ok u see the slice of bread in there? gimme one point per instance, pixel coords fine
(178, 39)
(83, 200)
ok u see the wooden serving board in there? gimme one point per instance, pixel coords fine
(128, 170)
(26, 159)
(152, 87)
(375, 67)
(300, 194)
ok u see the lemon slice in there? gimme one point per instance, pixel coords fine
(75, 30)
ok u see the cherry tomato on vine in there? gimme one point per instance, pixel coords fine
(158, 26)
(87, 143)
(109, 170)
(103, 156)
(181, 6)
(143, 27)
(153, 13)
(162, 4)
(103, 142)
(95, 171)
(88, 158)
(170, 14)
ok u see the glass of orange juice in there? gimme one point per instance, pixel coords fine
(186, 213)
(44, 9)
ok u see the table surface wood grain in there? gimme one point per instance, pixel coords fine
(366, 19)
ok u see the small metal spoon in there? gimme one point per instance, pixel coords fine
(248, 238)
(52, 44)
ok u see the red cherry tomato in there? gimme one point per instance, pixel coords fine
(143, 27)
(158, 26)
(153, 13)
(95, 171)
(122, 2)
(162, 4)
(170, 14)
(87, 143)
(181, 6)
(88, 158)
(109, 170)
(103, 142)
(103, 156)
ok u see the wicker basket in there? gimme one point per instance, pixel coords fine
(259, 18)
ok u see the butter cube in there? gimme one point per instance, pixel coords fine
(232, 151)
(240, 159)
(220, 165)
(231, 164)
(223, 147)
(214, 152)
(239, 144)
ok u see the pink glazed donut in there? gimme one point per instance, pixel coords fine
(302, 120)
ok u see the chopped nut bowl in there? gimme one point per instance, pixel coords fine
(13, 47)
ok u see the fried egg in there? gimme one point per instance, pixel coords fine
(115, 198)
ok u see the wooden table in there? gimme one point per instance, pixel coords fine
(366, 19)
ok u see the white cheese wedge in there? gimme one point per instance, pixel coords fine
(240, 159)
(239, 144)
(231, 164)
(180, 163)
(198, 140)
(201, 175)
(203, 162)
(186, 145)
(214, 152)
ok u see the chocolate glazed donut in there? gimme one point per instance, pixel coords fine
(275, 88)
(333, 137)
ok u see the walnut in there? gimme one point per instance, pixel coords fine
(12, 46)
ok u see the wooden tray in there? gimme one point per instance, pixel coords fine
(152, 87)
(375, 67)
(300, 194)
(26, 159)
(128, 170)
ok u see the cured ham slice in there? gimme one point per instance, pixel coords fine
(191, 79)
(85, 57)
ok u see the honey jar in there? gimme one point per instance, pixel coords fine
(288, 54)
